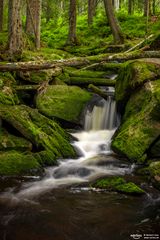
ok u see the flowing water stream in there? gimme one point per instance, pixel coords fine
(60, 207)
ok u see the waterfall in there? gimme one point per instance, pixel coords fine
(93, 146)
(103, 115)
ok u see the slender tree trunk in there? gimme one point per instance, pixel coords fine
(154, 7)
(1, 14)
(72, 38)
(15, 27)
(91, 11)
(115, 28)
(33, 20)
(130, 6)
(147, 8)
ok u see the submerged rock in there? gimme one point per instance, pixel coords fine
(63, 102)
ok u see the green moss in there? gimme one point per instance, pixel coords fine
(41, 131)
(154, 168)
(45, 158)
(63, 102)
(17, 163)
(139, 128)
(129, 188)
(132, 75)
(118, 184)
(11, 142)
(109, 183)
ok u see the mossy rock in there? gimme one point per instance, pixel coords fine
(118, 184)
(8, 97)
(44, 133)
(17, 163)
(154, 169)
(140, 124)
(39, 76)
(11, 142)
(132, 75)
(63, 102)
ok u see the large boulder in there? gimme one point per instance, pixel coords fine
(44, 133)
(132, 75)
(140, 125)
(63, 102)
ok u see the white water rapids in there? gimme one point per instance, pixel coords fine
(96, 158)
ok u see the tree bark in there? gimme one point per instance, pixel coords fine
(98, 91)
(86, 81)
(91, 11)
(1, 14)
(72, 38)
(115, 28)
(33, 20)
(15, 27)
(130, 6)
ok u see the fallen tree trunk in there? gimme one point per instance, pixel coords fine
(86, 81)
(79, 61)
(98, 91)
(26, 87)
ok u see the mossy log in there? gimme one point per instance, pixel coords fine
(78, 61)
(86, 81)
(98, 91)
(26, 87)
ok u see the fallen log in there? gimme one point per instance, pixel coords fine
(86, 81)
(26, 87)
(98, 91)
(79, 61)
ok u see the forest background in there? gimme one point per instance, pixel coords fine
(78, 27)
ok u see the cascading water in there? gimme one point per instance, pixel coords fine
(93, 144)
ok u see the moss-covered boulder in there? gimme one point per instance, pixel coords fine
(140, 124)
(63, 102)
(11, 142)
(154, 169)
(132, 75)
(17, 163)
(118, 184)
(39, 76)
(44, 133)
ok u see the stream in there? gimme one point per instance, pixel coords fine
(63, 206)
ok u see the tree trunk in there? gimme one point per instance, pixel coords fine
(1, 14)
(130, 6)
(154, 7)
(115, 28)
(72, 38)
(15, 27)
(146, 8)
(33, 20)
(91, 11)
